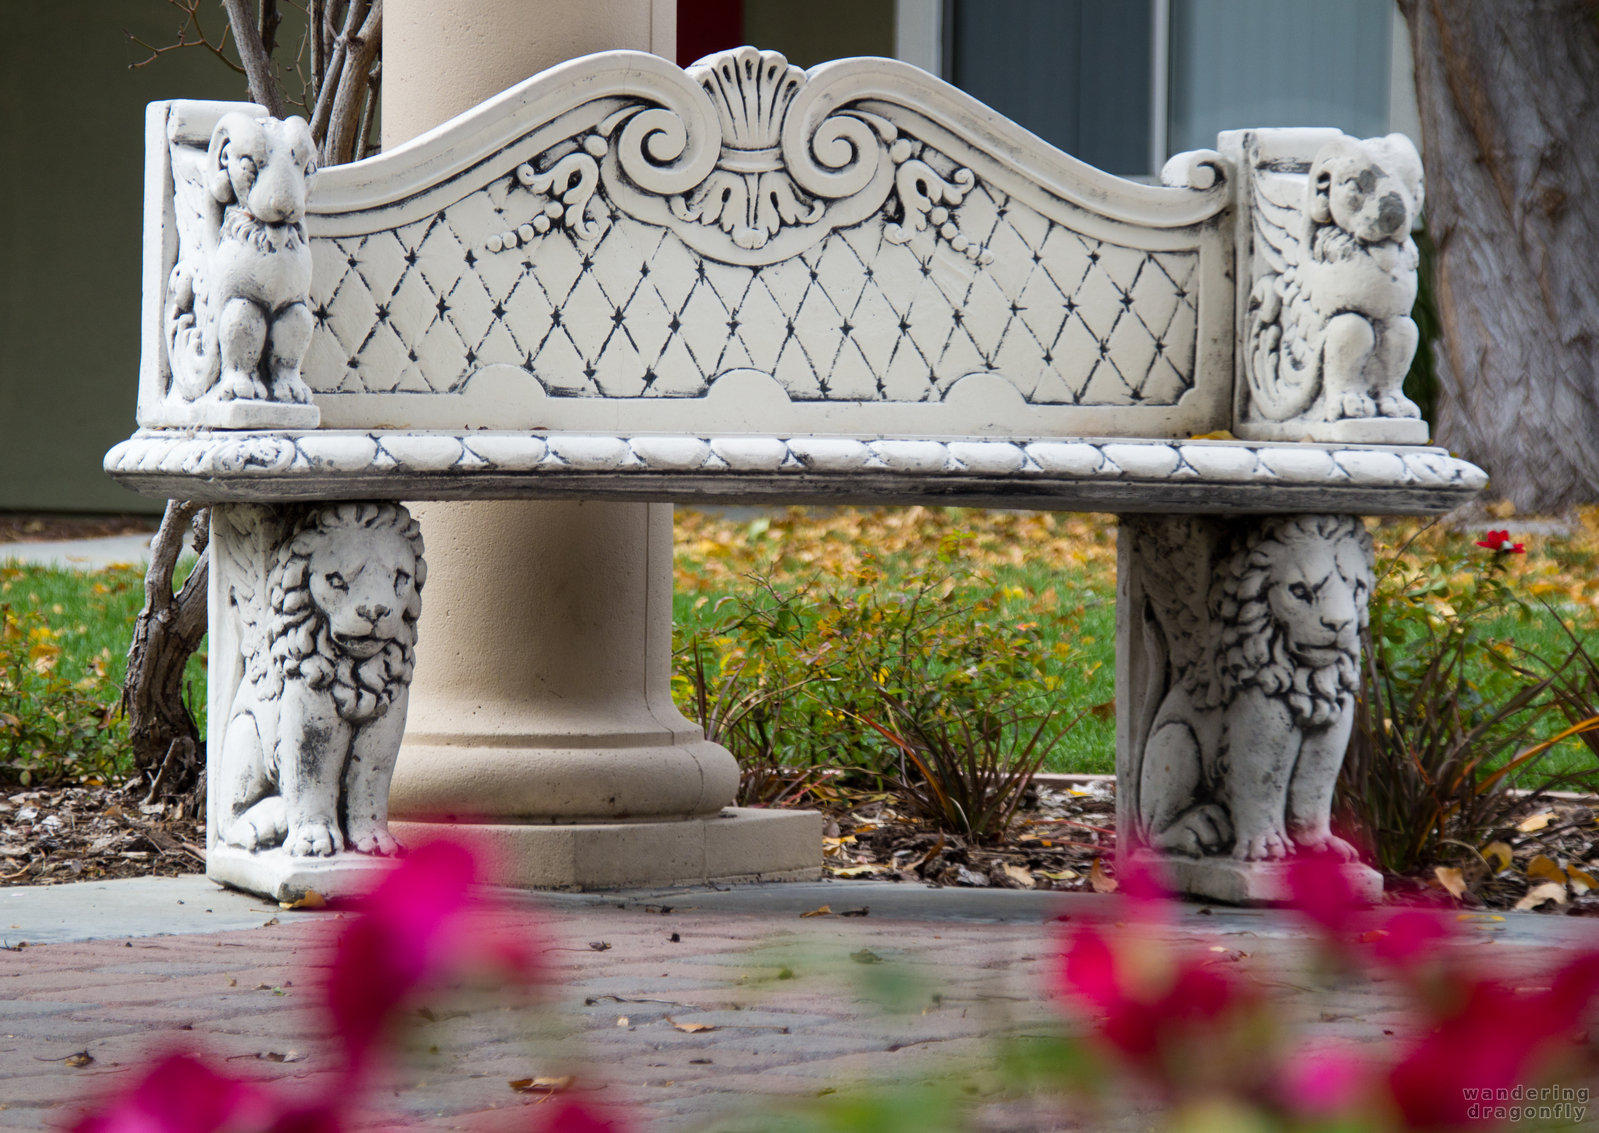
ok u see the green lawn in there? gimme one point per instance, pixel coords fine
(1044, 585)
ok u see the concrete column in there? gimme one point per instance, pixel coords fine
(541, 712)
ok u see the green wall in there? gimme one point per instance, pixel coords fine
(71, 189)
(817, 30)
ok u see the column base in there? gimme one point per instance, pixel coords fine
(1233, 882)
(740, 844)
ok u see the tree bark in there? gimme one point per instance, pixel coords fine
(1507, 91)
(166, 742)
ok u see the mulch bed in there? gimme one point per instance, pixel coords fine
(53, 835)
(1063, 839)
(43, 527)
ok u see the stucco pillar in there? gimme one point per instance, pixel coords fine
(541, 713)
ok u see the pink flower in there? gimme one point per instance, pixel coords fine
(422, 924)
(1322, 891)
(1325, 1083)
(1500, 541)
(1407, 938)
(179, 1094)
(570, 1116)
(1147, 1009)
(1492, 1039)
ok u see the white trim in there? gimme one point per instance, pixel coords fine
(1159, 83)
(919, 34)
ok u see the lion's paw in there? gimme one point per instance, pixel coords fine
(1397, 405)
(1268, 845)
(1327, 843)
(1356, 404)
(314, 838)
(377, 841)
(1196, 832)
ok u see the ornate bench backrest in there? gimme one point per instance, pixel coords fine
(859, 249)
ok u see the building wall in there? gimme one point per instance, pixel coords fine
(72, 130)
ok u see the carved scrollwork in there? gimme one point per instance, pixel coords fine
(567, 186)
(763, 162)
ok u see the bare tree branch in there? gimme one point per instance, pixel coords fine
(264, 85)
(351, 92)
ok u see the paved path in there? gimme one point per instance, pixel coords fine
(79, 554)
(794, 1007)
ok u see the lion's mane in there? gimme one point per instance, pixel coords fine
(1252, 647)
(303, 648)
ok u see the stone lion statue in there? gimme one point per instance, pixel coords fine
(316, 722)
(1328, 331)
(1251, 725)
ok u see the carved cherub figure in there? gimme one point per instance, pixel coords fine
(1329, 334)
(237, 316)
(329, 645)
(1257, 690)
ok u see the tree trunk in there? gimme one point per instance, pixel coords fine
(1507, 91)
(166, 742)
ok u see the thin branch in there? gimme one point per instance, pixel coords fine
(361, 52)
(264, 85)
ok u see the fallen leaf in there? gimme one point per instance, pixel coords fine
(280, 1056)
(863, 911)
(866, 956)
(541, 1085)
(860, 870)
(1020, 876)
(80, 1059)
(623, 1021)
(1103, 882)
(1497, 854)
(1542, 866)
(1534, 822)
(823, 911)
(600, 945)
(691, 1028)
(1061, 875)
(1548, 891)
(1582, 877)
(1213, 435)
(1451, 879)
(311, 899)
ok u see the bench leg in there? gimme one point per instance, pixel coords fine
(314, 612)
(1238, 669)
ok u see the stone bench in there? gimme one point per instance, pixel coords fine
(744, 282)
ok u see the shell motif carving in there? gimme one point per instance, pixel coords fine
(750, 165)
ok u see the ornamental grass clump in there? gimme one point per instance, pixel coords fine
(916, 683)
(1458, 727)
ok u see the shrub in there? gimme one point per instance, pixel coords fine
(850, 669)
(52, 727)
(1455, 726)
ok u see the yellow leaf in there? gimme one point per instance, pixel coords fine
(310, 900)
(1544, 867)
(692, 1028)
(1451, 879)
(1535, 821)
(1020, 876)
(1061, 875)
(1582, 877)
(1548, 891)
(859, 871)
(1497, 855)
(824, 911)
(541, 1085)
(1101, 881)
(1214, 435)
